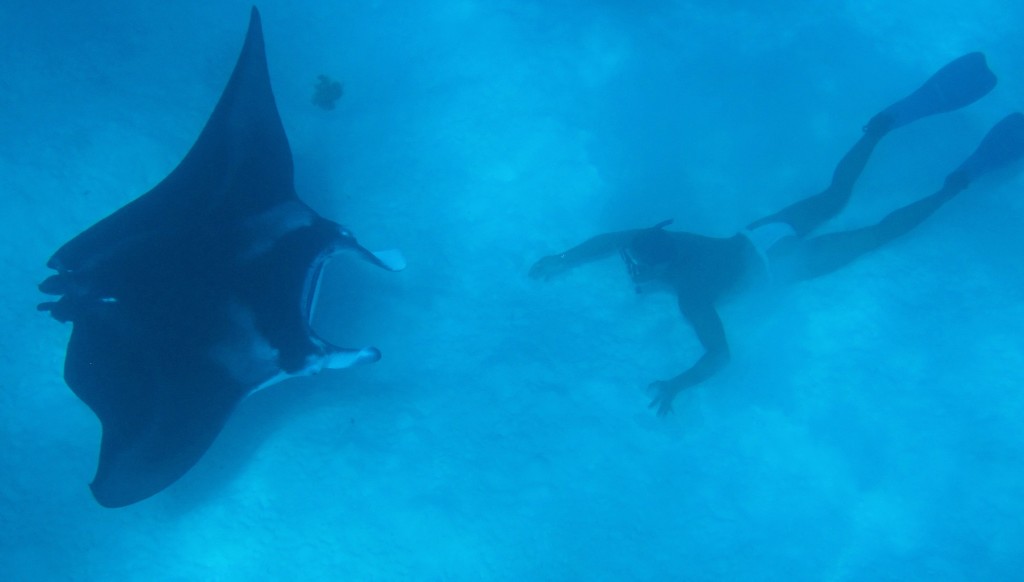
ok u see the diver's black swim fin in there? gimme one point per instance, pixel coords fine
(1001, 146)
(958, 84)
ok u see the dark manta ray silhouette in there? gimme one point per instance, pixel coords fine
(198, 293)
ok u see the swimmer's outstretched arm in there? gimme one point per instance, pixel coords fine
(592, 249)
(708, 326)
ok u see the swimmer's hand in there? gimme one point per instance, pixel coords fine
(664, 393)
(548, 267)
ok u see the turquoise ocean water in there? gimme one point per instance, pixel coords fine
(869, 426)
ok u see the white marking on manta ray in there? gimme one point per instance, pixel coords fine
(333, 360)
(311, 290)
(247, 357)
(250, 359)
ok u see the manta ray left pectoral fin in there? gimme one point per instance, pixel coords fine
(158, 415)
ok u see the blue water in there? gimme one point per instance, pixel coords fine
(868, 428)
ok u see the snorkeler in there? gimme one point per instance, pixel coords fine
(701, 270)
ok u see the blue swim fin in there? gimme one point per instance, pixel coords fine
(958, 84)
(1001, 146)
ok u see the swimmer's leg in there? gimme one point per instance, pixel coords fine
(795, 260)
(1002, 146)
(809, 213)
(958, 84)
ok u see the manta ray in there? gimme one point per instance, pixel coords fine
(198, 293)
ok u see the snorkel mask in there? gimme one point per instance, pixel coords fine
(650, 248)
